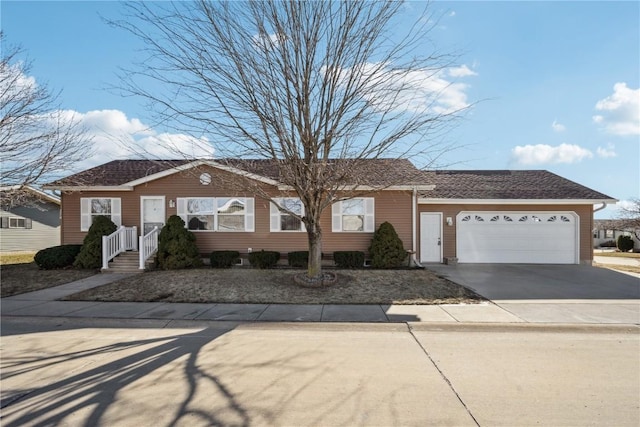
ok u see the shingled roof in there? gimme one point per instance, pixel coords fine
(449, 184)
(121, 172)
(506, 184)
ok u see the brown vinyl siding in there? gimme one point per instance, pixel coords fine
(449, 232)
(392, 206)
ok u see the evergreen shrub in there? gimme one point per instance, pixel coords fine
(56, 257)
(264, 259)
(298, 259)
(90, 255)
(177, 246)
(386, 250)
(625, 243)
(224, 259)
(348, 259)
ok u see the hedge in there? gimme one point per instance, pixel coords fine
(56, 257)
(224, 259)
(349, 259)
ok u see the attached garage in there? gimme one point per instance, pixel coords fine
(518, 237)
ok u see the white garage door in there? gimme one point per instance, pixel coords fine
(517, 237)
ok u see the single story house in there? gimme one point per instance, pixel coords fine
(607, 230)
(31, 224)
(501, 216)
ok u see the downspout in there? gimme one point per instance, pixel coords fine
(604, 205)
(414, 227)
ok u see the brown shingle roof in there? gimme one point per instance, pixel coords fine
(449, 184)
(119, 172)
(506, 184)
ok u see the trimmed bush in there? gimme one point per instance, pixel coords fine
(264, 259)
(224, 259)
(608, 244)
(349, 259)
(386, 248)
(177, 246)
(56, 257)
(298, 259)
(625, 243)
(90, 255)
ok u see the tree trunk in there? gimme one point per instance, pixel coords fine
(314, 235)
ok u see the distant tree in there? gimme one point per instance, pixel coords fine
(38, 140)
(300, 82)
(629, 217)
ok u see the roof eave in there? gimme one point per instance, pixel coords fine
(88, 187)
(448, 201)
(197, 163)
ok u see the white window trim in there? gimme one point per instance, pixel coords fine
(26, 222)
(275, 215)
(86, 215)
(369, 216)
(249, 214)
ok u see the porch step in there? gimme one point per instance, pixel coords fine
(126, 262)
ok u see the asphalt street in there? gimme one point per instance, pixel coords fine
(144, 372)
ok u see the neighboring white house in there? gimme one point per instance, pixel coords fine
(606, 230)
(31, 225)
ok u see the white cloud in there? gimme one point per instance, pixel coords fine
(606, 153)
(558, 127)
(115, 136)
(620, 111)
(462, 71)
(415, 91)
(452, 13)
(546, 154)
(15, 81)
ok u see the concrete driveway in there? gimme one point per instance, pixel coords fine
(553, 293)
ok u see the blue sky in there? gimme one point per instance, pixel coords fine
(556, 83)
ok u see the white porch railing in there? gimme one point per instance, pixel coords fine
(148, 246)
(121, 240)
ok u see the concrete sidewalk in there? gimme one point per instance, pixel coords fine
(44, 304)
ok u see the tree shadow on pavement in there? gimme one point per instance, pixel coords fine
(94, 390)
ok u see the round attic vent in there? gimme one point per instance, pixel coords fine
(205, 179)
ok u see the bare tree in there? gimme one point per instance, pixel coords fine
(319, 87)
(629, 217)
(38, 140)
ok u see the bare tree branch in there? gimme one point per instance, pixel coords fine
(319, 87)
(38, 140)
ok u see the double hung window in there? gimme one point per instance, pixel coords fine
(217, 213)
(15, 222)
(90, 208)
(353, 215)
(281, 214)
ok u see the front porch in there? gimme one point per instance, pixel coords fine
(124, 251)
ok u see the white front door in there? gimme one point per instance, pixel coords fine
(152, 213)
(430, 237)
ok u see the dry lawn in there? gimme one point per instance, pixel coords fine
(627, 268)
(245, 285)
(618, 254)
(20, 278)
